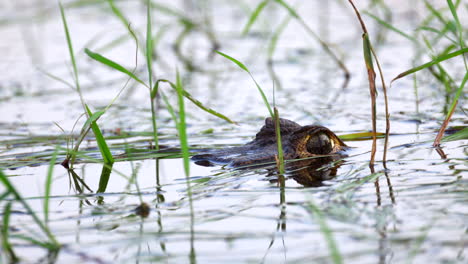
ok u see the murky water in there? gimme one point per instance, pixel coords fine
(416, 211)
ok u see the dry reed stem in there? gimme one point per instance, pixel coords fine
(371, 77)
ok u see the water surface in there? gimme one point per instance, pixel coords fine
(413, 212)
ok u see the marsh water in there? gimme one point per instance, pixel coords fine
(415, 211)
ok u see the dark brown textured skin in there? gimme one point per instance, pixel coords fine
(263, 148)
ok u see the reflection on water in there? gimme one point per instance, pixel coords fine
(139, 210)
(313, 172)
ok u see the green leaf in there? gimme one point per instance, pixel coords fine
(172, 12)
(458, 26)
(453, 10)
(462, 134)
(105, 176)
(435, 12)
(432, 62)
(169, 107)
(367, 51)
(254, 16)
(275, 37)
(105, 152)
(280, 162)
(182, 127)
(149, 45)
(458, 94)
(291, 11)
(48, 184)
(242, 66)
(6, 245)
(207, 131)
(93, 118)
(70, 46)
(113, 64)
(327, 233)
(118, 13)
(4, 180)
(361, 136)
(206, 109)
(264, 98)
(391, 27)
(192, 99)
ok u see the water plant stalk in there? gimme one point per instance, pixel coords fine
(327, 233)
(12, 190)
(292, 12)
(5, 228)
(48, 185)
(149, 64)
(368, 54)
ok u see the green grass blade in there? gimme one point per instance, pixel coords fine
(327, 233)
(105, 152)
(4, 195)
(429, 64)
(391, 27)
(72, 53)
(117, 12)
(149, 44)
(44, 244)
(155, 89)
(453, 10)
(56, 78)
(275, 37)
(105, 176)
(172, 12)
(280, 161)
(440, 33)
(70, 45)
(460, 135)
(242, 66)
(192, 99)
(182, 127)
(450, 112)
(291, 11)
(206, 109)
(93, 118)
(435, 12)
(125, 22)
(459, 92)
(367, 52)
(265, 100)
(113, 64)
(459, 28)
(253, 17)
(361, 136)
(4, 180)
(48, 185)
(6, 246)
(149, 65)
(169, 107)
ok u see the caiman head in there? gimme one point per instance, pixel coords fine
(298, 141)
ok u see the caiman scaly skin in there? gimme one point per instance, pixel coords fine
(297, 141)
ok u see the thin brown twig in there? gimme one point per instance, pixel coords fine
(387, 114)
(443, 127)
(371, 76)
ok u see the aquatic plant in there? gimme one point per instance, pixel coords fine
(11, 193)
(454, 28)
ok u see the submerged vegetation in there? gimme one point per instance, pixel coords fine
(181, 212)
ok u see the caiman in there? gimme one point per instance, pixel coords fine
(298, 142)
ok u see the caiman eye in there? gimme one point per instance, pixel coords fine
(319, 144)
